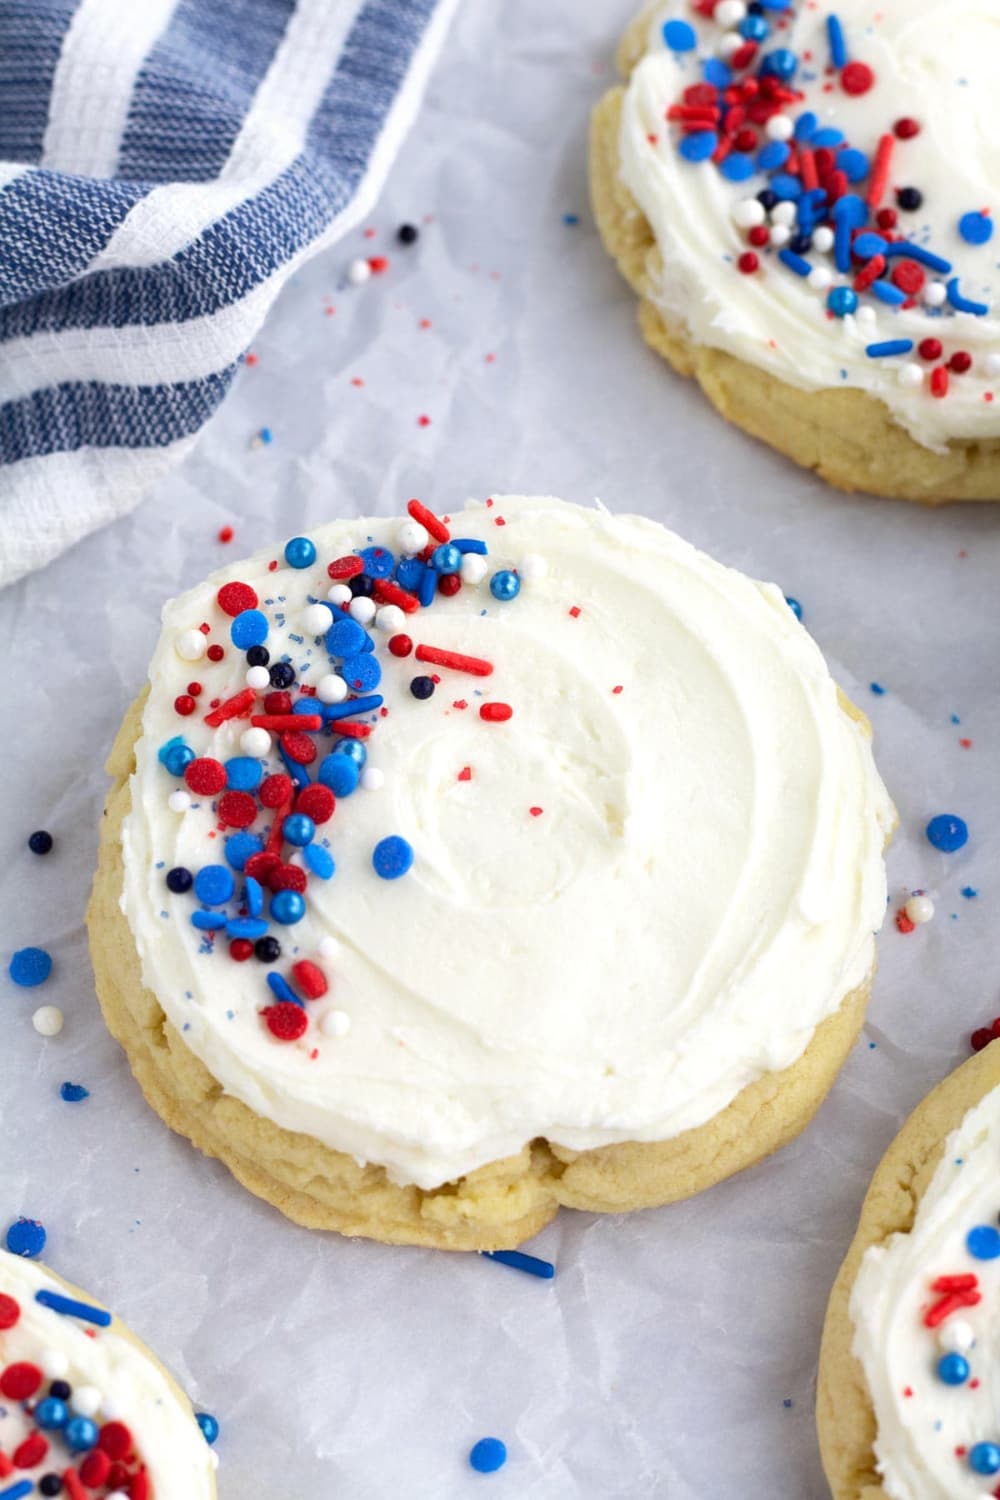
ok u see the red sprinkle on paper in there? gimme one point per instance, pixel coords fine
(465, 774)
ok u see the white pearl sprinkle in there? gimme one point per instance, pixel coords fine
(823, 238)
(532, 567)
(911, 375)
(919, 909)
(339, 593)
(865, 314)
(784, 213)
(474, 568)
(372, 779)
(358, 272)
(729, 13)
(729, 42)
(54, 1363)
(255, 743)
(331, 689)
(779, 128)
(86, 1400)
(258, 678)
(780, 235)
(363, 609)
(190, 645)
(412, 538)
(316, 619)
(956, 1335)
(328, 947)
(820, 279)
(747, 213)
(390, 618)
(935, 294)
(335, 1023)
(179, 801)
(213, 1458)
(48, 1020)
(991, 364)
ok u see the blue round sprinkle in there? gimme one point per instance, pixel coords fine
(208, 921)
(716, 73)
(51, 1414)
(244, 774)
(177, 758)
(30, 966)
(984, 1458)
(794, 606)
(339, 773)
(446, 559)
(953, 1369)
(787, 187)
(737, 167)
(754, 29)
(488, 1455)
(353, 749)
(299, 830)
(868, 245)
(362, 673)
(854, 164)
(505, 585)
(253, 893)
(698, 146)
(392, 857)
(679, 36)
(214, 885)
(208, 1424)
(773, 155)
(806, 126)
(249, 928)
(842, 301)
(248, 629)
(829, 137)
(287, 907)
(409, 573)
(983, 1242)
(300, 552)
(976, 228)
(26, 1237)
(378, 561)
(345, 638)
(320, 861)
(781, 63)
(947, 832)
(73, 1093)
(80, 1434)
(239, 847)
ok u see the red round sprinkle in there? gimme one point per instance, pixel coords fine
(237, 809)
(287, 878)
(746, 140)
(278, 703)
(194, 688)
(857, 78)
(95, 1469)
(118, 1477)
(909, 277)
(10, 1311)
(275, 790)
(205, 776)
(960, 362)
(940, 382)
(310, 978)
(215, 653)
(184, 705)
(748, 263)
(241, 949)
(887, 218)
(496, 713)
(285, 1021)
(906, 128)
(115, 1440)
(299, 747)
(343, 568)
(226, 532)
(234, 598)
(981, 1038)
(260, 865)
(400, 645)
(19, 1381)
(449, 585)
(31, 1452)
(930, 349)
(759, 235)
(317, 802)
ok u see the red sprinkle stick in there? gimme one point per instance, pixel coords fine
(286, 721)
(345, 567)
(275, 837)
(233, 708)
(454, 659)
(496, 713)
(948, 1304)
(353, 729)
(73, 1485)
(429, 521)
(880, 170)
(387, 592)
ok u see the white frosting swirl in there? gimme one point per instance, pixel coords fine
(926, 1428)
(698, 892)
(130, 1386)
(935, 61)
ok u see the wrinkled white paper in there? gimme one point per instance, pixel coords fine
(660, 1360)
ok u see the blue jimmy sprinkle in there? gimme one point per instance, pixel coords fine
(70, 1308)
(521, 1262)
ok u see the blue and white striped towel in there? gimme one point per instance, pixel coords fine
(164, 166)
